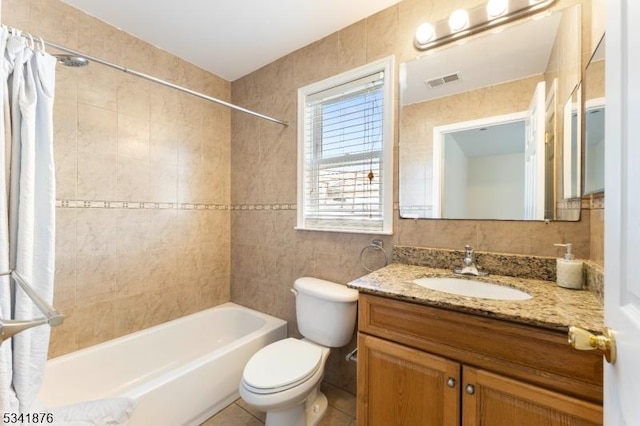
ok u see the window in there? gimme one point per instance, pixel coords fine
(345, 151)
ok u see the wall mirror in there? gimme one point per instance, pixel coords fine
(594, 110)
(481, 122)
(572, 145)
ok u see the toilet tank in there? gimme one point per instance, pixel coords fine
(326, 311)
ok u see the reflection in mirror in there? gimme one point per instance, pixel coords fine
(482, 163)
(594, 113)
(572, 155)
(454, 160)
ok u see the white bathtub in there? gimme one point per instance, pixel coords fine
(179, 373)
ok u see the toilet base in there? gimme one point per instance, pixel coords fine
(315, 409)
(308, 413)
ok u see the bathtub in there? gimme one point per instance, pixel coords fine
(179, 373)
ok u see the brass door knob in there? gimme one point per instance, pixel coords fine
(585, 341)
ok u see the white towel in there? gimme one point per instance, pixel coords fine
(101, 412)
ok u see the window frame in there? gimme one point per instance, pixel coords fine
(387, 66)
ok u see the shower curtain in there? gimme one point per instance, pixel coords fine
(27, 210)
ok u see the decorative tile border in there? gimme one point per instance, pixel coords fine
(597, 202)
(103, 204)
(136, 205)
(570, 204)
(264, 207)
(586, 203)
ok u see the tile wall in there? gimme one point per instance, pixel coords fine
(267, 253)
(142, 175)
(164, 199)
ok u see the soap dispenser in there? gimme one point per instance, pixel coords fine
(568, 270)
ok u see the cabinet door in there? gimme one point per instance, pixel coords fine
(492, 400)
(398, 385)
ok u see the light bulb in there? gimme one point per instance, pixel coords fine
(497, 8)
(458, 20)
(425, 33)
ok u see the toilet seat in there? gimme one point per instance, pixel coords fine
(281, 365)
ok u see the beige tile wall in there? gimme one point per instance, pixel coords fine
(267, 253)
(120, 138)
(597, 228)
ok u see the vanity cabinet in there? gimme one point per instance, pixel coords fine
(398, 385)
(420, 365)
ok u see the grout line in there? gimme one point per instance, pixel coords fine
(248, 412)
(332, 406)
(339, 390)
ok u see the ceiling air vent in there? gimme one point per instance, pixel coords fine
(441, 81)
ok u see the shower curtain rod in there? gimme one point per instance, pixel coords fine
(164, 83)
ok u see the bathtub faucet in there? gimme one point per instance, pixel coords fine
(469, 263)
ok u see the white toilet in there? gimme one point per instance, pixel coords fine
(283, 378)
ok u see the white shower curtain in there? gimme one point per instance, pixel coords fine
(27, 210)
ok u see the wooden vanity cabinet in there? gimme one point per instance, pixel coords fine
(398, 385)
(420, 365)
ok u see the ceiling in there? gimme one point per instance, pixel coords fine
(230, 38)
(490, 140)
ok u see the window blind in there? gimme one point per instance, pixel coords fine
(343, 156)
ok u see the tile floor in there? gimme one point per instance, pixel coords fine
(341, 411)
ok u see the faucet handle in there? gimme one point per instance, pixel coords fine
(468, 260)
(469, 263)
(468, 250)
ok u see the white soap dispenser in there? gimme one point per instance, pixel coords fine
(568, 270)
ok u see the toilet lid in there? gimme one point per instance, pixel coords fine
(282, 364)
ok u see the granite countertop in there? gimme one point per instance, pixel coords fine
(550, 307)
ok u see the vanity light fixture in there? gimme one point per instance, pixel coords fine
(497, 8)
(463, 22)
(425, 33)
(459, 20)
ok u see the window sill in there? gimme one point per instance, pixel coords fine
(345, 231)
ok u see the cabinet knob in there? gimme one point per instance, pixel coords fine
(451, 382)
(584, 341)
(470, 389)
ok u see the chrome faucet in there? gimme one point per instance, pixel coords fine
(469, 263)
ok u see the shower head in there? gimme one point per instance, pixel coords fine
(72, 60)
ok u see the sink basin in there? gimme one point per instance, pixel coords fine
(472, 288)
